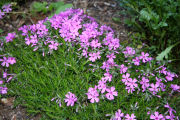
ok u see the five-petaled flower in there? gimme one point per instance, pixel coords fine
(111, 93)
(70, 99)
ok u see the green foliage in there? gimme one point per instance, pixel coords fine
(55, 5)
(39, 79)
(157, 20)
(164, 54)
(1, 31)
(2, 2)
(44, 7)
(39, 7)
(63, 8)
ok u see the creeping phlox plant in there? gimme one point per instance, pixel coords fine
(5, 9)
(131, 68)
(6, 62)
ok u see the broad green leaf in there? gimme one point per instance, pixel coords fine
(63, 8)
(145, 15)
(163, 24)
(128, 22)
(115, 19)
(1, 30)
(39, 7)
(164, 54)
(60, 9)
(55, 5)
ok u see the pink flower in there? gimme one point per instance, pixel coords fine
(108, 76)
(33, 39)
(1, 14)
(111, 93)
(84, 53)
(70, 99)
(128, 117)
(4, 62)
(111, 57)
(144, 83)
(10, 37)
(144, 57)
(156, 116)
(125, 77)
(171, 116)
(27, 41)
(136, 61)
(4, 74)
(154, 88)
(3, 90)
(175, 87)
(129, 89)
(1, 82)
(119, 115)
(123, 68)
(102, 86)
(170, 76)
(93, 94)
(163, 70)
(53, 45)
(11, 60)
(132, 83)
(106, 66)
(94, 56)
(95, 44)
(7, 8)
(129, 51)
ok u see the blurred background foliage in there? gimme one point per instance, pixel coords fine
(157, 21)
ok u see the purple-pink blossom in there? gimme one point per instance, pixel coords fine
(53, 45)
(70, 99)
(3, 90)
(94, 56)
(108, 76)
(123, 68)
(1, 14)
(154, 88)
(131, 85)
(144, 57)
(93, 94)
(170, 76)
(130, 117)
(111, 93)
(1, 82)
(126, 77)
(95, 44)
(136, 61)
(10, 37)
(4, 62)
(7, 8)
(11, 60)
(102, 85)
(175, 87)
(156, 116)
(119, 115)
(144, 83)
(129, 51)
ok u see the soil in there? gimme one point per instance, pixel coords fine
(102, 10)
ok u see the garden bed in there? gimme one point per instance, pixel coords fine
(71, 67)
